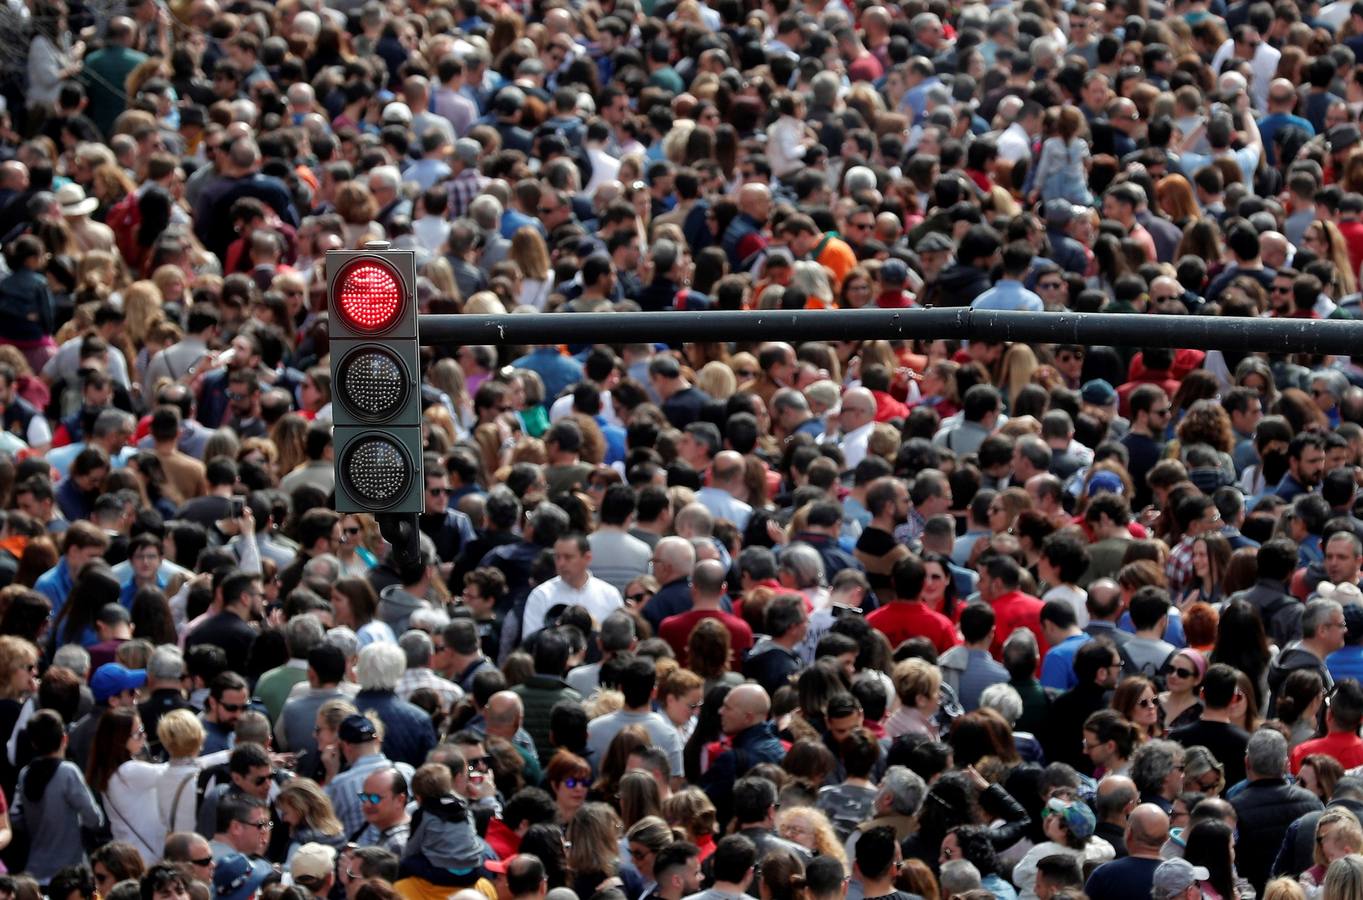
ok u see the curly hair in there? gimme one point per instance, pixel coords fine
(1206, 422)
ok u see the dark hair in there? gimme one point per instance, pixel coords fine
(1208, 843)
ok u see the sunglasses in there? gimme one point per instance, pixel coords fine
(263, 826)
(1182, 672)
(1146, 704)
(480, 764)
(435, 492)
(351, 530)
(639, 597)
(371, 799)
(575, 783)
(232, 707)
(206, 861)
(259, 780)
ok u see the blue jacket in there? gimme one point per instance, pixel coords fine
(409, 736)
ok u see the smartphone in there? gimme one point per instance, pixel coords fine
(238, 506)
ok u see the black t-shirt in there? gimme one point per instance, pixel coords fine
(1129, 878)
(1227, 743)
(876, 542)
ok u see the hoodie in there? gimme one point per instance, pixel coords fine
(771, 665)
(958, 285)
(396, 606)
(1290, 660)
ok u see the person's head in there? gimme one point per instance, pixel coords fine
(1157, 769)
(1266, 755)
(1058, 873)
(878, 857)
(244, 823)
(167, 880)
(1323, 626)
(745, 706)
(384, 797)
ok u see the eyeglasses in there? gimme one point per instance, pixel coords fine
(370, 798)
(236, 395)
(262, 826)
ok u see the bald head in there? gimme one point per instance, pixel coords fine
(1146, 831)
(14, 176)
(755, 200)
(503, 713)
(727, 468)
(1282, 93)
(1116, 794)
(707, 581)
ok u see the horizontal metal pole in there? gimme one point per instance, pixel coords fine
(1337, 337)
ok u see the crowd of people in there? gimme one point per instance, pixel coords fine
(847, 620)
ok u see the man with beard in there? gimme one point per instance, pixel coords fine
(1305, 465)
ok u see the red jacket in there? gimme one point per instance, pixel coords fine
(902, 620)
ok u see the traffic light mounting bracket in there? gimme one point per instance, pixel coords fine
(401, 532)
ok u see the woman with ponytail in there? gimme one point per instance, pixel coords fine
(783, 876)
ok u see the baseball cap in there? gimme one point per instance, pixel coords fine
(1105, 483)
(237, 878)
(314, 862)
(1174, 876)
(497, 866)
(1098, 393)
(1078, 817)
(894, 271)
(114, 678)
(357, 729)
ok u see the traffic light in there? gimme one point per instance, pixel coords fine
(375, 379)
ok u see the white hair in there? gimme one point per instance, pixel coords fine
(1003, 699)
(73, 657)
(380, 666)
(859, 178)
(428, 619)
(389, 176)
(166, 663)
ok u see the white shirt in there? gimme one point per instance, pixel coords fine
(1264, 65)
(597, 596)
(1077, 598)
(853, 445)
(1014, 144)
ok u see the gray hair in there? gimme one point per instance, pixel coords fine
(1154, 760)
(1335, 382)
(1344, 878)
(959, 876)
(324, 567)
(825, 86)
(428, 619)
(76, 658)
(804, 564)
(166, 663)
(1266, 753)
(860, 178)
(380, 666)
(789, 398)
(617, 631)
(389, 176)
(1317, 613)
(418, 647)
(485, 210)
(905, 788)
(112, 421)
(252, 728)
(1003, 699)
(343, 639)
(303, 634)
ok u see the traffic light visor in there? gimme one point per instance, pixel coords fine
(369, 296)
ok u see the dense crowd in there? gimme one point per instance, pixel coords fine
(848, 620)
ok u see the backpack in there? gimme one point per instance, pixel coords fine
(125, 217)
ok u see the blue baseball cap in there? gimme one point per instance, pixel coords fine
(112, 679)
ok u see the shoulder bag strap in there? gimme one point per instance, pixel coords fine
(175, 804)
(109, 805)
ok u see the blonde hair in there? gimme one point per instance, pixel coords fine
(181, 733)
(1344, 878)
(306, 798)
(717, 379)
(914, 678)
(594, 833)
(1284, 889)
(529, 253)
(826, 841)
(1347, 829)
(15, 654)
(142, 306)
(1019, 362)
(692, 811)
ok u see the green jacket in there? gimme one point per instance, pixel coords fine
(538, 696)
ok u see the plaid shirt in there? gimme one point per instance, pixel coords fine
(463, 188)
(1179, 568)
(413, 679)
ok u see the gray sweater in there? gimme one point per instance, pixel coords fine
(54, 822)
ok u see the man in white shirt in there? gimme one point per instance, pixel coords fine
(1015, 142)
(574, 585)
(857, 418)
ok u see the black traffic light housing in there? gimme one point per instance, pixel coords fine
(376, 381)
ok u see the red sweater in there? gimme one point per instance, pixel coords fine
(1013, 610)
(904, 619)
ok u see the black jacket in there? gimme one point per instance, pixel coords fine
(958, 285)
(1297, 854)
(1064, 741)
(1265, 809)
